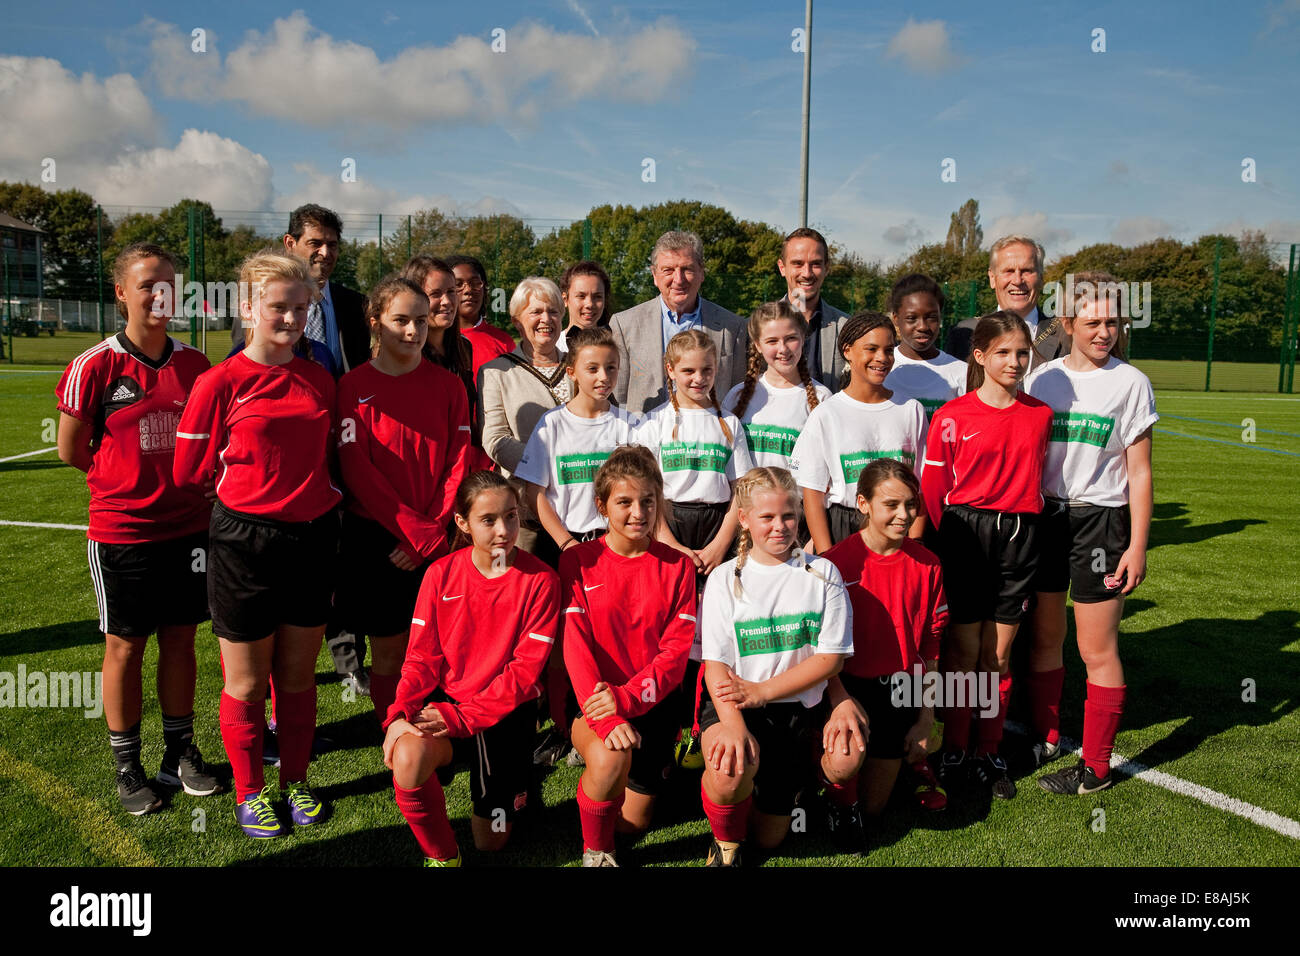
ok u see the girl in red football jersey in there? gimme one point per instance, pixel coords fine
(261, 426)
(900, 613)
(484, 624)
(981, 485)
(403, 439)
(119, 402)
(628, 628)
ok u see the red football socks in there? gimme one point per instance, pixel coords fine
(294, 727)
(840, 794)
(1101, 714)
(729, 822)
(990, 733)
(425, 809)
(241, 733)
(1045, 703)
(383, 691)
(598, 818)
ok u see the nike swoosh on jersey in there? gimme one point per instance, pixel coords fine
(968, 437)
(593, 587)
(452, 597)
(174, 402)
(849, 584)
(240, 401)
(362, 401)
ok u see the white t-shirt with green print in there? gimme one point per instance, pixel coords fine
(843, 435)
(699, 464)
(773, 419)
(1096, 415)
(563, 454)
(785, 615)
(932, 382)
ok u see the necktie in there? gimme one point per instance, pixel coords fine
(316, 323)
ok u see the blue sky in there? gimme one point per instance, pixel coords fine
(1073, 146)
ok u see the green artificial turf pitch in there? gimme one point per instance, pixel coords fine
(1219, 608)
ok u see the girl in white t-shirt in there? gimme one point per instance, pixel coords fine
(778, 394)
(1097, 483)
(776, 627)
(922, 370)
(572, 441)
(701, 452)
(852, 428)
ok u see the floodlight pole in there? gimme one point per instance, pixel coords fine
(807, 98)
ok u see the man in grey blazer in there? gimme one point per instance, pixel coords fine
(642, 332)
(1016, 277)
(804, 262)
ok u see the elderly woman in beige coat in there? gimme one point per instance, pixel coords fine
(516, 388)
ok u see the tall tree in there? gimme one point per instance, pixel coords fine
(964, 233)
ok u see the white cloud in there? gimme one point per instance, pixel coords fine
(904, 234)
(365, 197)
(1139, 229)
(176, 67)
(202, 165)
(79, 122)
(924, 47)
(298, 74)
(1034, 224)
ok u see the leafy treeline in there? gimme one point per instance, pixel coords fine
(740, 260)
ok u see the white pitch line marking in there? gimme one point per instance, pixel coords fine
(1220, 801)
(28, 454)
(43, 524)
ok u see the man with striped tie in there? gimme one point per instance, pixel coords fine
(338, 321)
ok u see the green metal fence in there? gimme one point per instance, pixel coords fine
(1230, 323)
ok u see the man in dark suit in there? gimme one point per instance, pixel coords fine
(805, 259)
(1016, 278)
(642, 332)
(338, 320)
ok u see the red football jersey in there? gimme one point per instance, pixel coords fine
(481, 641)
(403, 451)
(986, 457)
(265, 432)
(486, 342)
(629, 622)
(899, 609)
(134, 405)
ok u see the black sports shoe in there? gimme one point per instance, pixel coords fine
(190, 772)
(991, 771)
(552, 749)
(134, 791)
(1079, 779)
(952, 769)
(722, 857)
(847, 830)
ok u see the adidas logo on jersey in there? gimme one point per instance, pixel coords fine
(123, 394)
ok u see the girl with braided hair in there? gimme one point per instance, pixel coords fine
(777, 626)
(863, 422)
(778, 394)
(701, 452)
